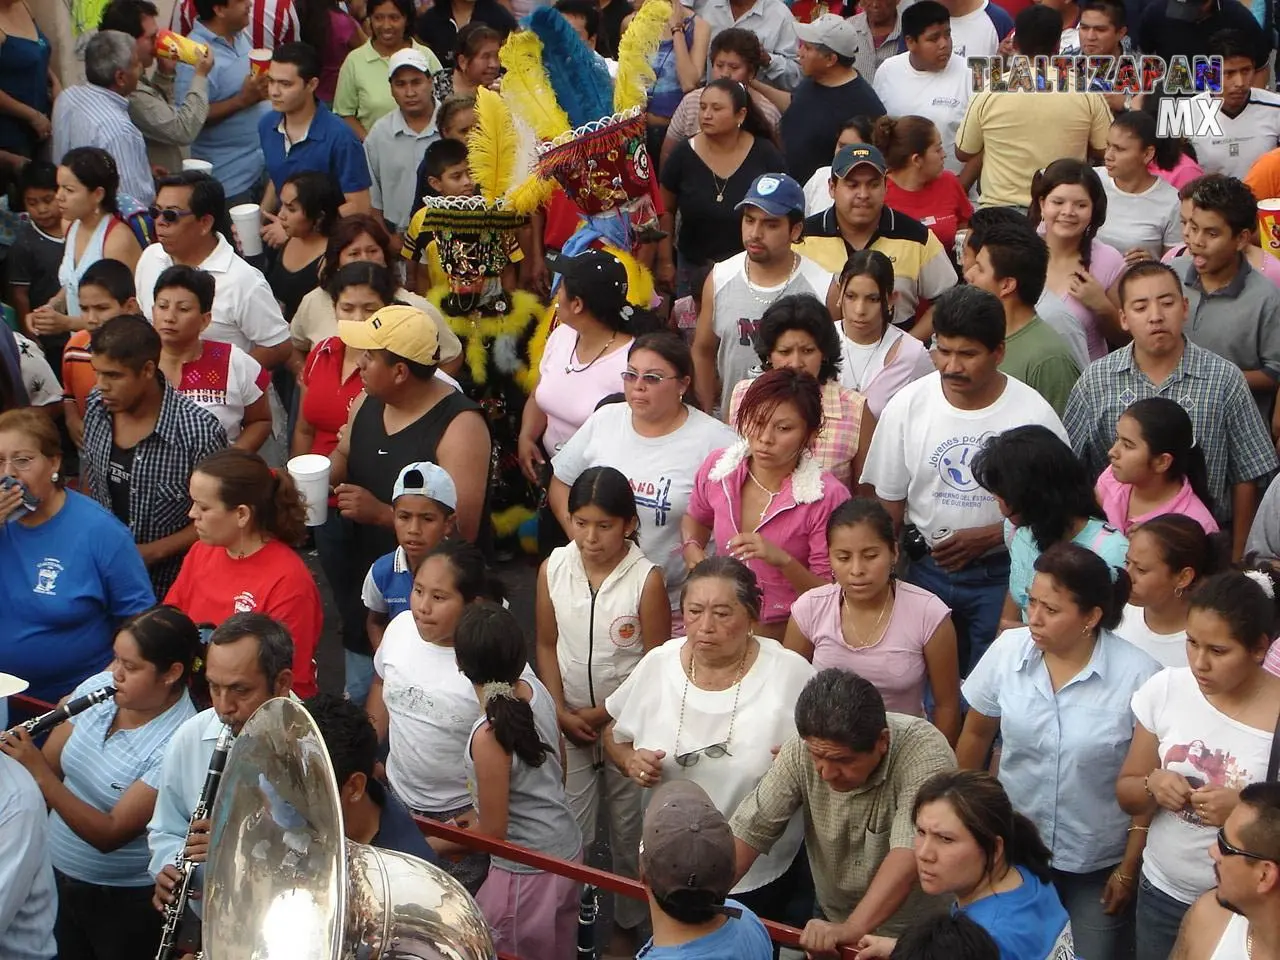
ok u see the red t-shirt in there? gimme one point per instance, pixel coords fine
(940, 206)
(213, 585)
(328, 399)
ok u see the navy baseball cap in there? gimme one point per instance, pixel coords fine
(855, 155)
(776, 194)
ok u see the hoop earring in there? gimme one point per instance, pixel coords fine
(1178, 592)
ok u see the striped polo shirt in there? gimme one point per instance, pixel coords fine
(99, 769)
(921, 268)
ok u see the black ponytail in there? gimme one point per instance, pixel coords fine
(490, 649)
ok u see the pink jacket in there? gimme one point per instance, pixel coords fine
(796, 521)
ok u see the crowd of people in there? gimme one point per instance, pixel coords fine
(897, 458)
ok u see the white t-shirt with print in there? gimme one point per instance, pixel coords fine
(1209, 749)
(939, 95)
(657, 709)
(1170, 649)
(431, 708)
(1245, 137)
(1149, 219)
(923, 451)
(974, 35)
(37, 376)
(660, 470)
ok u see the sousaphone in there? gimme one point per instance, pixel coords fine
(283, 883)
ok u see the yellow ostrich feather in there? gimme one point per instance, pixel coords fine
(527, 88)
(492, 146)
(636, 49)
(531, 195)
(639, 277)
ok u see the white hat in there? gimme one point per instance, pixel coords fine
(408, 57)
(831, 31)
(429, 480)
(9, 685)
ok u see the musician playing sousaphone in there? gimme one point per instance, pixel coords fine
(248, 661)
(98, 773)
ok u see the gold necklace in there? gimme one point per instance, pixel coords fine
(693, 678)
(858, 641)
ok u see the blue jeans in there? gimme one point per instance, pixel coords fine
(359, 676)
(976, 598)
(1097, 936)
(1159, 917)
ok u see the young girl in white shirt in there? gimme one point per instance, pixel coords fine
(601, 605)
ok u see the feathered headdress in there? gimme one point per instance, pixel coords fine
(492, 146)
(635, 55)
(527, 88)
(579, 77)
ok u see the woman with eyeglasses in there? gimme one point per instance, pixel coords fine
(657, 438)
(711, 708)
(1204, 732)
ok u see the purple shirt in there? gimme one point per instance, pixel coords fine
(796, 520)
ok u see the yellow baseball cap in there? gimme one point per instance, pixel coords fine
(405, 331)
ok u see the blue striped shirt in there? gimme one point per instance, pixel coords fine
(28, 900)
(90, 116)
(99, 769)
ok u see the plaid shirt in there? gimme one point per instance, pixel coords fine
(162, 464)
(1228, 427)
(836, 442)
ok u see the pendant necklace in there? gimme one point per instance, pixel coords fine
(721, 185)
(570, 368)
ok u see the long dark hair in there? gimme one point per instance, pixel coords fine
(983, 808)
(271, 495)
(490, 648)
(165, 636)
(754, 122)
(1068, 172)
(1166, 428)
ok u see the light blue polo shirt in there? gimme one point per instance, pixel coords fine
(231, 146)
(329, 147)
(99, 769)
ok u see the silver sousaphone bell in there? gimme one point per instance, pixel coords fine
(283, 883)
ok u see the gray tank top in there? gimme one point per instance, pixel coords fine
(538, 815)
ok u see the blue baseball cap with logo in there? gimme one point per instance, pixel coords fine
(776, 194)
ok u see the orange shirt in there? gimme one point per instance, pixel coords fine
(77, 372)
(1263, 177)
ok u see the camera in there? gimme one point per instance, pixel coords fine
(914, 543)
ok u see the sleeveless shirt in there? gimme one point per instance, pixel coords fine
(1234, 942)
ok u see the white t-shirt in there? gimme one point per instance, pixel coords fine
(1170, 649)
(939, 95)
(648, 712)
(923, 449)
(431, 707)
(245, 311)
(974, 35)
(817, 192)
(1149, 220)
(1245, 137)
(660, 470)
(225, 381)
(1209, 749)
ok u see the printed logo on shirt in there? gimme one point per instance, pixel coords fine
(245, 602)
(1204, 767)
(655, 497)
(1064, 947)
(954, 458)
(47, 571)
(747, 331)
(625, 631)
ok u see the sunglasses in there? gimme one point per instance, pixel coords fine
(1227, 850)
(168, 215)
(713, 752)
(649, 379)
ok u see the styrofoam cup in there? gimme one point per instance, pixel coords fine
(310, 472)
(247, 219)
(200, 166)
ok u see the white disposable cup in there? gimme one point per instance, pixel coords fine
(200, 166)
(1269, 225)
(310, 472)
(247, 219)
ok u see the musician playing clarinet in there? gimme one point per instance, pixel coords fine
(98, 772)
(248, 661)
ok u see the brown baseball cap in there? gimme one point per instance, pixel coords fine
(686, 847)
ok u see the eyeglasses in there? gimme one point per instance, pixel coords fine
(1226, 849)
(18, 463)
(168, 215)
(713, 752)
(649, 379)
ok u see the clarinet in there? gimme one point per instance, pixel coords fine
(177, 907)
(47, 721)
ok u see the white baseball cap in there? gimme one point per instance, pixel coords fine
(426, 479)
(408, 57)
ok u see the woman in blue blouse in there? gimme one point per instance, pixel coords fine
(69, 571)
(98, 773)
(971, 845)
(1058, 692)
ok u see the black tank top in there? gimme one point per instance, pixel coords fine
(377, 459)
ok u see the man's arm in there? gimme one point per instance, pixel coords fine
(705, 344)
(889, 889)
(162, 122)
(763, 815)
(23, 851)
(356, 202)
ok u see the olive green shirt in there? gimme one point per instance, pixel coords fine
(1039, 357)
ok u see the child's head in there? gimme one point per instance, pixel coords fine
(38, 191)
(1155, 441)
(106, 291)
(423, 503)
(490, 648)
(451, 577)
(602, 511)
(1168, 555)
(457, 117)
(446, 168)
(183, 305)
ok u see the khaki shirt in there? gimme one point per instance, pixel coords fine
(169, 130)
(848, 835)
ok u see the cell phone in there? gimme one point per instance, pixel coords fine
(29, 501)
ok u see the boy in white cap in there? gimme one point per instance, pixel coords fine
(396, 144)
(688, 867)
(422, 503)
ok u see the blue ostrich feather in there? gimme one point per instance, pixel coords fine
(579, 77)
